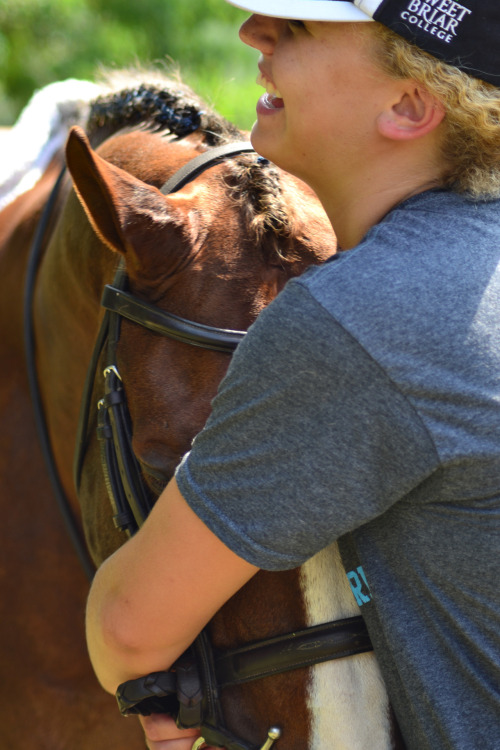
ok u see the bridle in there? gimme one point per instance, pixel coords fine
(190, 689)
(128, 495)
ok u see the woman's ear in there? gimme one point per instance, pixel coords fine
(414, 115)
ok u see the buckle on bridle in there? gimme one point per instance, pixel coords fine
(189, 693)
(190, 690)
(273, 734)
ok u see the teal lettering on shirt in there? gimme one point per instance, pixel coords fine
(359, 585)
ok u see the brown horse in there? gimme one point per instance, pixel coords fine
(217, 251)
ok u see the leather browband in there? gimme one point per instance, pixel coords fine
(160, 321)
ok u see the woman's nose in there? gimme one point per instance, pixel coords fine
(260, 32)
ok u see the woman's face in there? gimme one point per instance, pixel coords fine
(324, 94)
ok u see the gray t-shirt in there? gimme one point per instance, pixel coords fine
(364, 406)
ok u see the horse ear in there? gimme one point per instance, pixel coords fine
(122, 209)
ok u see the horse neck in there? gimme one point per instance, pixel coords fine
(18, 224)
(67, 313)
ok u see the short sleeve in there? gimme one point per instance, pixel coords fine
(308, 439)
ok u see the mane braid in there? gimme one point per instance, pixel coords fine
(173, 109)
(255, 185)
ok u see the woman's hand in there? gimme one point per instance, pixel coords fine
(162, 734)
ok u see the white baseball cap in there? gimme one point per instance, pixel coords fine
(309, 10)
(465, 34)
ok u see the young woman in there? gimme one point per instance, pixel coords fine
(366, 399)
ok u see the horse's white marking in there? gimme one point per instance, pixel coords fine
(41, 130)
(347, 699)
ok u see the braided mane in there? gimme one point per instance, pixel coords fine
(167, 106)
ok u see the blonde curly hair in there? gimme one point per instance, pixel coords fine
(471, 143)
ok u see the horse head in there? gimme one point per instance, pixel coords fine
(217, 251)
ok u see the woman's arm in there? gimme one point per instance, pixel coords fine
(152, 597)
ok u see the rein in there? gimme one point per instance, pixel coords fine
(189, 691)
(70, 522)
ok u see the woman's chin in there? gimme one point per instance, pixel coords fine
(266, 140)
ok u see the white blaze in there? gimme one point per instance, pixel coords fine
(347, 699)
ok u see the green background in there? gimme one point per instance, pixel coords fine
(50, 40)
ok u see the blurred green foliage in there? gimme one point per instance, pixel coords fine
(50, 40)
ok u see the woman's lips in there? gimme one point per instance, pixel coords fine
(269, 103)
(272, 99)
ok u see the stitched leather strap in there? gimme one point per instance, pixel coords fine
(334, 640)
(303, 648)
(167, 324)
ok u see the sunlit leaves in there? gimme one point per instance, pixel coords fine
(47, 40)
